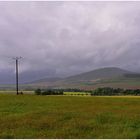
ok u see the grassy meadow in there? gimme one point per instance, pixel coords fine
(32, 116)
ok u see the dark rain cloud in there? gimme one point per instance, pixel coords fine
(66, 38)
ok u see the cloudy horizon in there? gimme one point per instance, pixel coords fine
(58, 39)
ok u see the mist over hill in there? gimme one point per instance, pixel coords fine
(108, 76)
(103, 77)
(102, 73)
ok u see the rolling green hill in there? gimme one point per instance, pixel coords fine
(110, 76)
(102, 73)
(104, 77)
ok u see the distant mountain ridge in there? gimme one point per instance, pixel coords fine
(108, 72)
(103, 77)
(102, 73)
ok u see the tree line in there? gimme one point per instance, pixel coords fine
(58, 91)
(115, 91)
(105, 91)
(48, 92)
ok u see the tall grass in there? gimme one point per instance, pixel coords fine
(31, 116)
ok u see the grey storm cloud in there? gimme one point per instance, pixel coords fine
(66, 38)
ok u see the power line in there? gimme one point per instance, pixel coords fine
(16, 59)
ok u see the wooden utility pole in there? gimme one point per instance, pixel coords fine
(17, 88)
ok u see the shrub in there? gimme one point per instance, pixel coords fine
(48, 92)
(38, 91)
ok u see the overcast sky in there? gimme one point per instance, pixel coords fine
(66, 38)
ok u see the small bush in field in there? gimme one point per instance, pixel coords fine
(48, 92)
(38, 91)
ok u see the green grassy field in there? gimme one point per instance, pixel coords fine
(32, 116)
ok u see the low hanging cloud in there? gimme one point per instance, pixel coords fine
(66, 38)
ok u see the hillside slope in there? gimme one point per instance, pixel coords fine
(110, 76)
(104, 77)
(102, 73)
